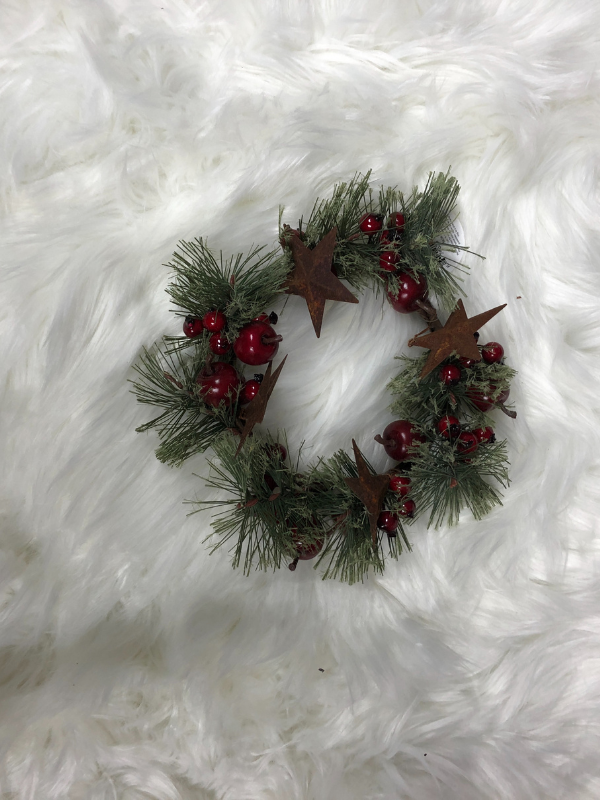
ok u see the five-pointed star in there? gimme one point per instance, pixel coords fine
(369, 488)
(254, 412)
(313, 279)
(455, 337)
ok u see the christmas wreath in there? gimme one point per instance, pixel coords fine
(338, 510)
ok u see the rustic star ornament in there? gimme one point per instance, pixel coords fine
(369, 488)
(313, 279)
(254, 412)
(456, 336)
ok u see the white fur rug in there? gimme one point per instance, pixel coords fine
(133, 664)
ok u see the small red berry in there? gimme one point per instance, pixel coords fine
(492, 352)
(396, 220)
(249, 391)
(483, 400)
(218, 385)
(449, 427)
(467, 442)
(214, 321)
(388, 522)
(371, 223)
(503, 396)
(192, 327)
(219, 344)
(388, 260)
(467, 362)
(261, 318)
(450, 375)
(398, 437)
(484, 435)
(400, 484)
(409, 292)
(257, 343)
(407, 508)
(390, 237)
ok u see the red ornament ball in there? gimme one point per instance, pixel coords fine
(407, 509)
(484, 435)
(400, 485)
(249, 391)
(410, 291)
(449, 427)
(192, 327)
(388, 260)
(467, 442)
(214, 321)
(450, 375)
(220, 385)
(250, 346)
(371, 223)
(492, 352)
(396, 220)
(398, 437)
(388, 522)
(219, 344)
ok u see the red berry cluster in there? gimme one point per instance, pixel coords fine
(398, 439)
(451, 375)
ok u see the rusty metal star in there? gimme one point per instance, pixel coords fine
(369, 488)
(254, 412)
(456, 336)
(313, 279)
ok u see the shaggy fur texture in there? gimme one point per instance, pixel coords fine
(133, 664)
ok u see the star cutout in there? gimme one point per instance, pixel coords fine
(369, 488)
(313, 279)
(455, 337)
(254, 412)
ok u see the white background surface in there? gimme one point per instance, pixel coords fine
(132, 664)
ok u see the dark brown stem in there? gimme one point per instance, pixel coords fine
(232, 280)
(271, 339)
(429, 314)
(507, 411)
(208, 370)
(383, 441)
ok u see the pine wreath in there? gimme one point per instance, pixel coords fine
(338, 509)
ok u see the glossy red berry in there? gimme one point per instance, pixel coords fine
(400, 485)
(388, 260)
(503, 396)
(450, 375)
(483, 400)
(484, 435)
(257, 343)
(410, 291)
(407, 509)
(219, 344)
(305, 550)
(214, 321)
(371, 223)
(466, 442)
(192, 327)
(220, 385)
(249, 391)
(398, 437)
(467, 362)
(449, 427)
(390, 237)
(492, 352)
(388, 522)
(397, 221)
(271, 318)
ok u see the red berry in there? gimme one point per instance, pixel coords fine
(388, 260)
(467, 362)
(398, 437)
(219, 344)
(220, 385)
(214, 321)
(449, 427)
(492, 352)
(251, 347)
(387, 522)
(410, 290)
(261, 318)
(467, 442)
(407, 509)
(396, 221)
(270, 481)
(483, 400)
(249, 391)
(390, 237)
(450, 375)
(371, 223)
(192, 327)
(484, 435)
(503, 396)
(400, 484)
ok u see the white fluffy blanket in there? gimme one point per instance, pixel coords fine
(133, 664)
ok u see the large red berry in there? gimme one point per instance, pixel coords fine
(388, 260)
(371, 223)
(503, 396)
(398, 437)
(192, 327)
(219, 344)
(214, 321)
(388, 522)
(410, 291)
(480, 399)
(249, 391)
(449, 426)
(450, 375)
(220, 385)
(492, 352)
(400, 484)
(407, 509)
(257, 343)
(396, 220)
(484, 435)
(466, 442)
